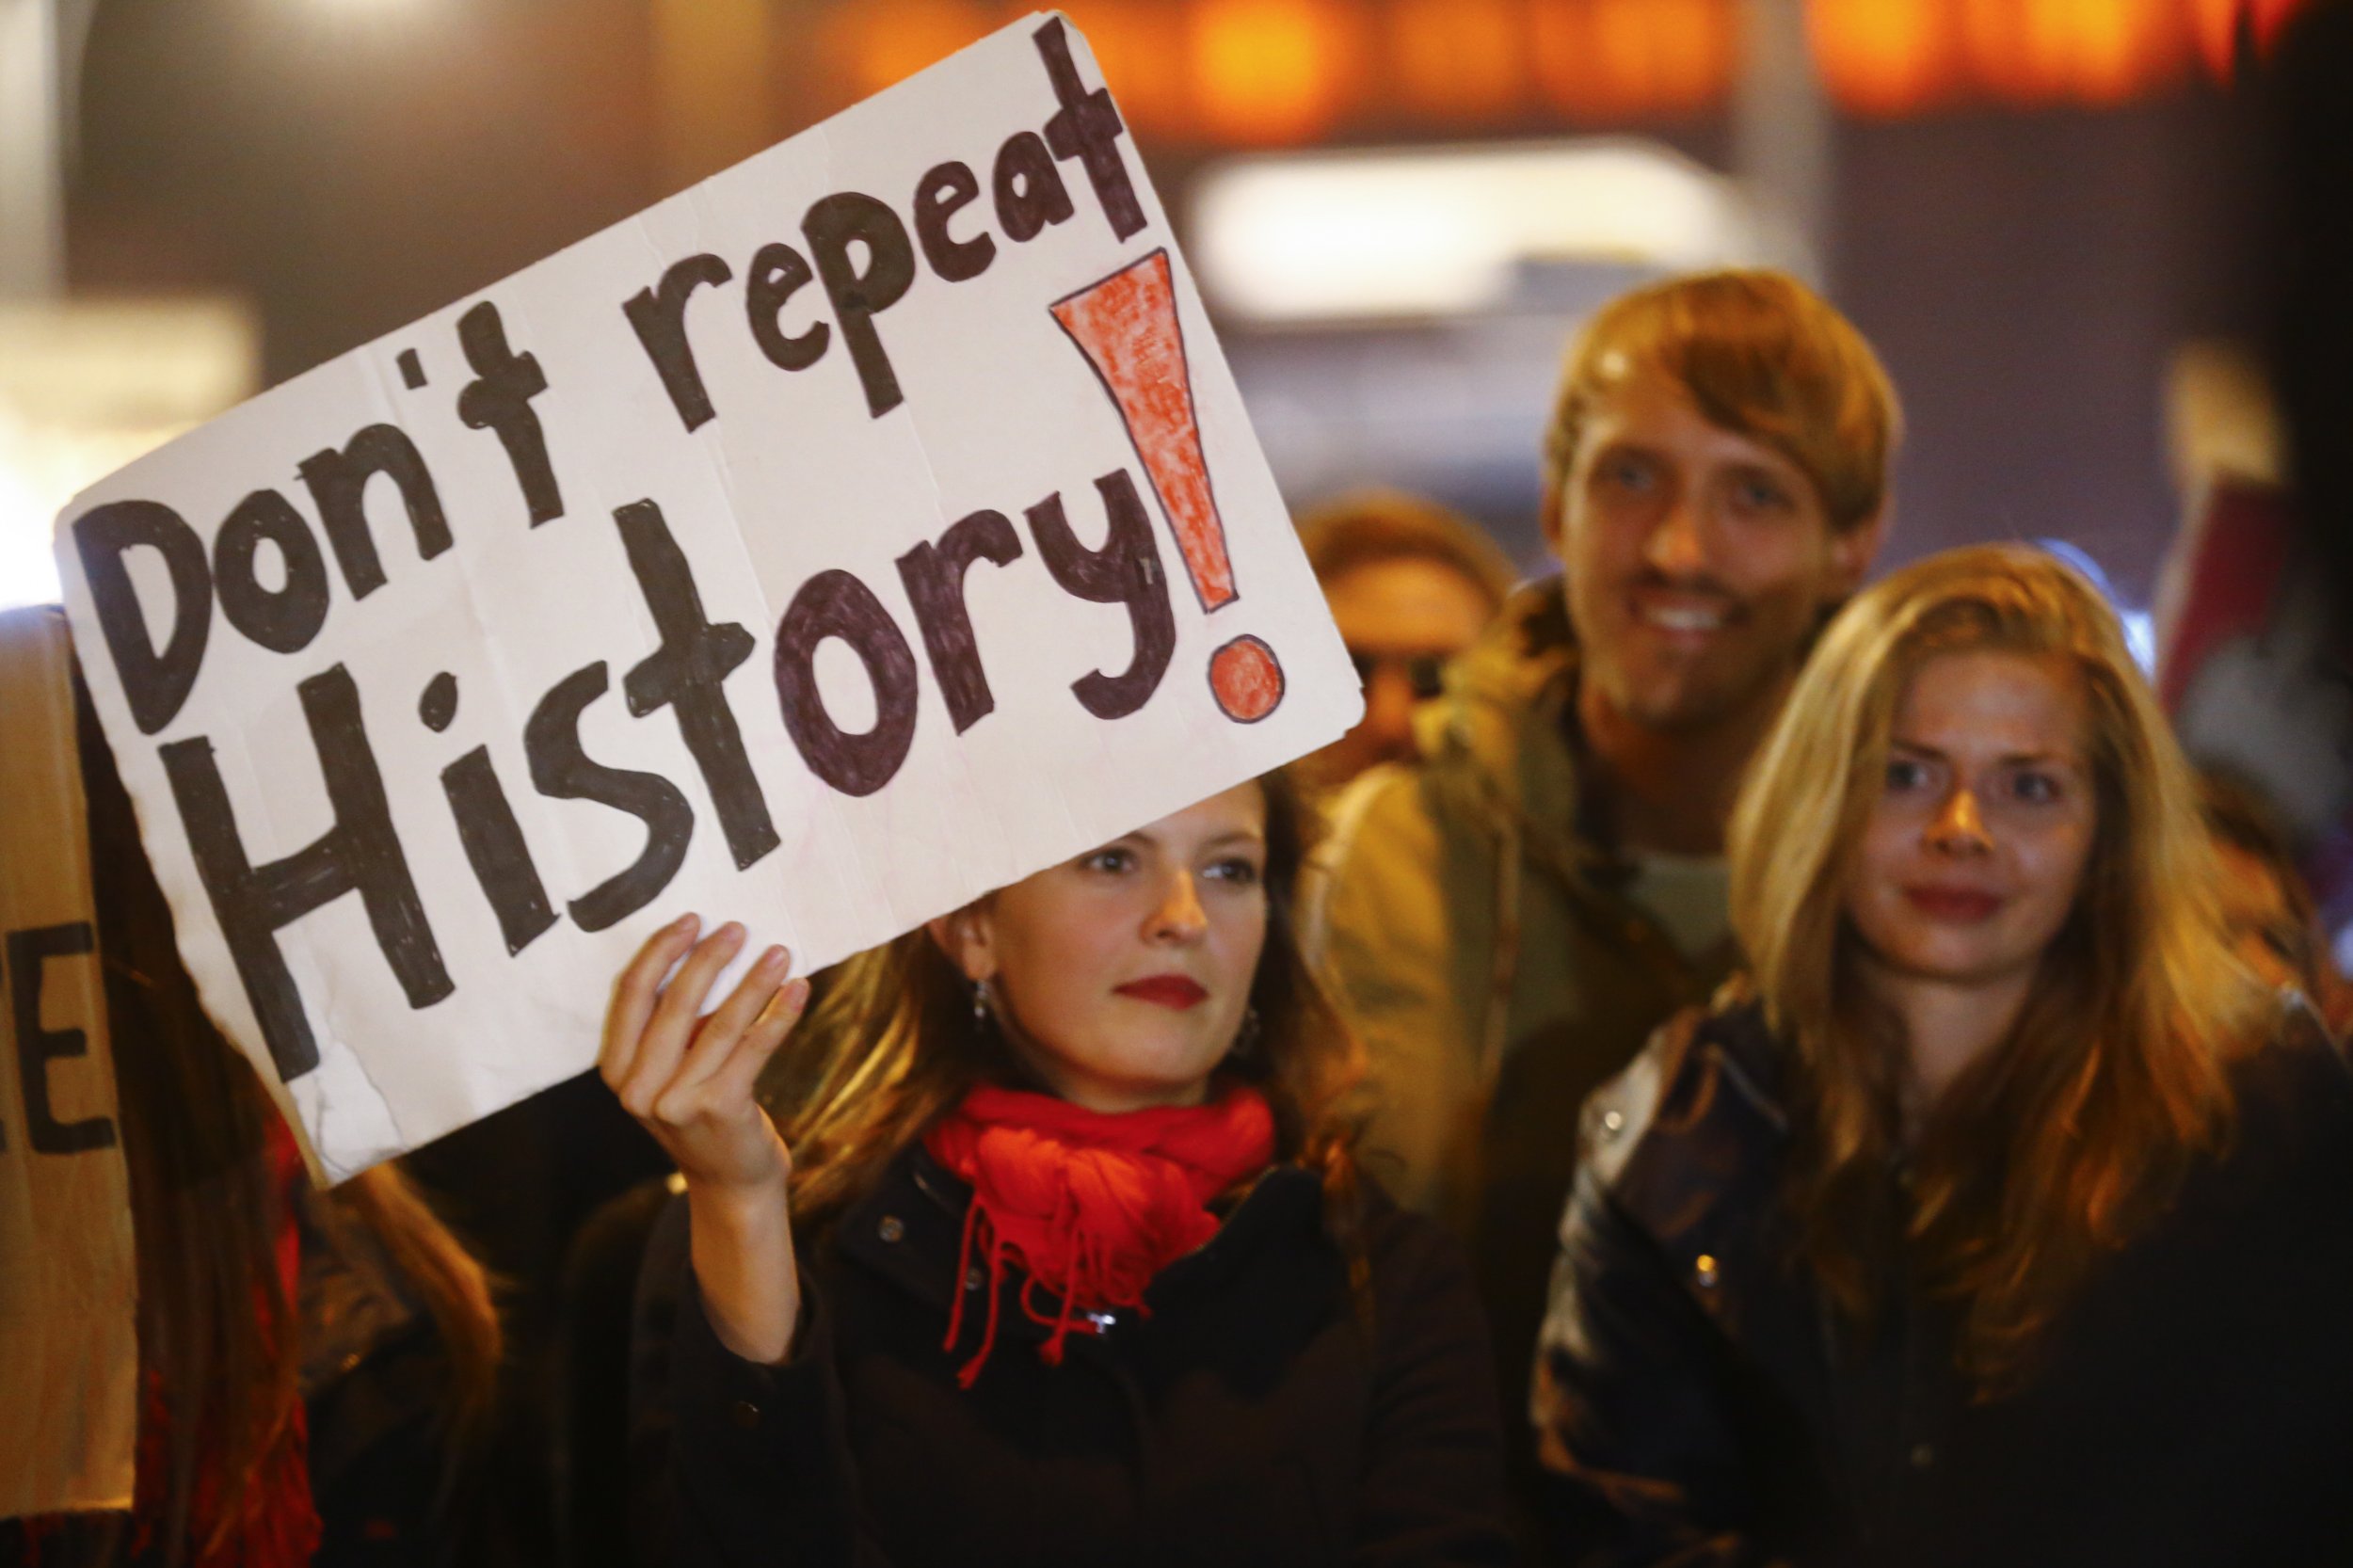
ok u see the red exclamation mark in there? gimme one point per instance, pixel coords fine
(1127, 327)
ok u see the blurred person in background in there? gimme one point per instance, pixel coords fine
(1411, 584)
(1999, 1218)
(2255, 664)
(2266, 905)
(1509, 920)
(1062, 1253)
(317, 1369)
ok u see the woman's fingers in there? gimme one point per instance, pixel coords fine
(739, 1074)
(711, 1121)
(633, 995)
(717, 1035)
(690, 1078)
(672, 1025)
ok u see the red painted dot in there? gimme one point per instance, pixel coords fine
(1246, 679)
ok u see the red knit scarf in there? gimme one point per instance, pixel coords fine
(1089, 1206)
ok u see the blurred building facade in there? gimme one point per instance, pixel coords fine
(2029, 205)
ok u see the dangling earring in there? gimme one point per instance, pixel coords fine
(1245, 1045)
(979, 1007)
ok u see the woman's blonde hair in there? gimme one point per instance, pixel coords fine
(2066, 1140)
(892, 1045)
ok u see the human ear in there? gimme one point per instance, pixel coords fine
(969, 939)
(1852, 550)
(1549, 517)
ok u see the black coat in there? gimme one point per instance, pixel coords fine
(1248, 1418)
(1698, 1405)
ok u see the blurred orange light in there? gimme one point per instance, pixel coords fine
(1565, 68)
(2098, 52)
(2123, 48)
(1458, 57)
(709, 68)
(1603, 59)
(873, 44)
(1695, 57)
(2014, 53)
(2215, 23)
(1269, 70)
(1635, 41)
(1135, 42)
(2270, 16)
(2138, 48)
(1882, 57)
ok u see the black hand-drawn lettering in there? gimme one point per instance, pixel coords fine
(1127, 570)
(1087, 127)
(687, 674)
(836, 605)
(154, 683)
(562, 771)
(934, 577)
(659, 317)
(360, 853)
(1029, 192)
(832, 226)
(939, 195)
(778, 272)
(437, 703)
(37, 1046)
(494, 846)
(338, 484)
(286, 620)
(498, 398)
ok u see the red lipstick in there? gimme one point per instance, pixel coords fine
(1954, 905)
(1175, 991)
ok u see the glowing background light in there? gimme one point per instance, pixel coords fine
(89, 386)
(1445, 232)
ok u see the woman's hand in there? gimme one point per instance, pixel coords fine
(689, 1081)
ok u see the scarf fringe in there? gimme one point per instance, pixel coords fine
(1087, 1259)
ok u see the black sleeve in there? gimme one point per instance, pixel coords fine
(1640, 1465)
(1432, 1487)
(751, 1464)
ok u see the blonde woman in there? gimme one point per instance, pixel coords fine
(1069, 1259)
(1999, 1216)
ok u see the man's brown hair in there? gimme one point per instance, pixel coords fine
(1760, 353)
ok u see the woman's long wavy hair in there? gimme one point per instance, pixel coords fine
(2066, 1140)
(892, 1046)
(220, 1337)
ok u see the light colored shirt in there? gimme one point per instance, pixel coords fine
(1689, 895)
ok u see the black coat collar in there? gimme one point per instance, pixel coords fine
(910, 1231)
(1687, 1141)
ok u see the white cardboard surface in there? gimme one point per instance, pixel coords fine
(793, 477)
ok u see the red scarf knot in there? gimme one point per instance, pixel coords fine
(1090, 1206)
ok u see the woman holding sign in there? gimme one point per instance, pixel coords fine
(1063, 1253)
(2002, 1221)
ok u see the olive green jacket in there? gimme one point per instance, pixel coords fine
(1483, 946)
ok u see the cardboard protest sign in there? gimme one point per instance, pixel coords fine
(862, 529)
(67, 1274)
